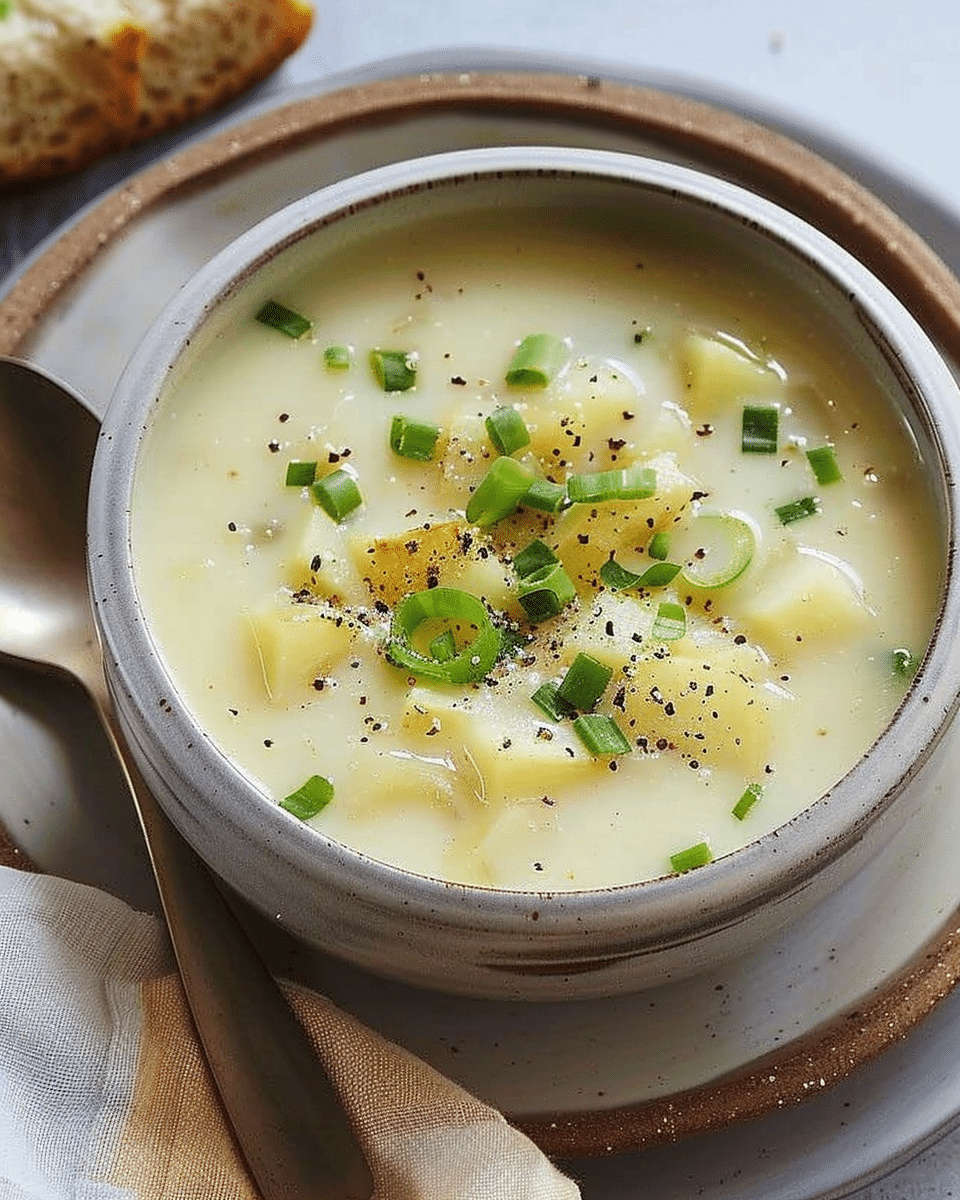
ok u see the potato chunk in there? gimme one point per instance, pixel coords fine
(587, 534)
(322, 562)
(447, 552)
(515, 752)
(296, 642)
(803, 595)
(720, 373)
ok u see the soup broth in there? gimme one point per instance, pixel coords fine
(632, 485)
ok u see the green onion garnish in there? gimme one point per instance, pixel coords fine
(670, 623)
(659, 574)
(694, 856)
(796, 510)
(309, 798)
(659, 546)
(546, 496)
(536, 360)
(337, 494)
(443, 647)
(751, 795)
(546, 592)
(278, 316)
(903, 663)
(724, 547)
(625, 483)
(507, 430)
(470, 663)
(601, 735)
(500, 491)
(300, 474)
(823, 463)
(759, 429)
(584, 683)
(394, 370)
(546, 699)
(413, 439)
(336, 358)
(533, 558)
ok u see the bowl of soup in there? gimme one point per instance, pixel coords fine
(528, 572)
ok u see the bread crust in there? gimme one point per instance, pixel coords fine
(81, 78)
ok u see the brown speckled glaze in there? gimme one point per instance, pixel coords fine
(777, 168)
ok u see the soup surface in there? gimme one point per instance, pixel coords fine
(541, 612)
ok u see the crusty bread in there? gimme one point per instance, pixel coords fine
(81, 77)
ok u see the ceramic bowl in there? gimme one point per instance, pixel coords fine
(476, 940)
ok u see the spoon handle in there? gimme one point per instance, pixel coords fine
(286, 1116)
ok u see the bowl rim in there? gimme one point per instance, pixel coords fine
(674, 910)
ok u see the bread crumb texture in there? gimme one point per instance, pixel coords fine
(80, 78)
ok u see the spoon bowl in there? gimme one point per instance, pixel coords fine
(287, 1119)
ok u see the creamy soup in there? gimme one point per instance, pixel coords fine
(537, 553)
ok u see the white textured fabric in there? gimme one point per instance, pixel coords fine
(98, 1062)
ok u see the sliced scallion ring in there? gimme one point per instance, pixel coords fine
(670, 623)
(722, 546)
(693, 856)
(658, 574)
(546, 592)
(284, 320)
(460, 610)
(601, 735)
(624, 483)
(311, 797)
(536, 360)
(546, 496)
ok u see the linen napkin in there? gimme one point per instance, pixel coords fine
(105, 1095)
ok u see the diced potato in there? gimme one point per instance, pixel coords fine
(447, 552)
(707, 698)
(720, 373)
(586, 534)
(297, 642)
(322, 562)
(514, 750)
(614, 630)
(800, 596)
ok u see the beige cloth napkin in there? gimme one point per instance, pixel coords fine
(104, 1093)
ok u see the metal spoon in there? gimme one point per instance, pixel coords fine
(285, 1114)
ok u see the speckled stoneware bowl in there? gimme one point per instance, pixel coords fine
(475, 940)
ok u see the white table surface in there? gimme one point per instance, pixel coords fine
(873, 75)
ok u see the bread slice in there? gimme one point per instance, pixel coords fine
(79, 78)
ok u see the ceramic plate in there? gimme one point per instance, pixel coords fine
(753, 1040)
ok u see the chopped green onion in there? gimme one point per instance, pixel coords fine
(547, 700)
(546, 592)
(751, 795)
(659, 546)
(413, 439)
(500, 491)
(724, 546)
(823, 463)
(507, 430)
(694, 856)
(601, 735)
(337, 494)
(6, 8)
(536, 361)
(670, 623)
(796, 510)
(759, 429)
(659, 574)
(533, 557)
(443, 647)
(336, 358)
(310, 798)
(300, 474)
(394, 370)
(903, 662)
(584, 683)
(284, 319)
(625, 483)
(468, 664)
(546, 496)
